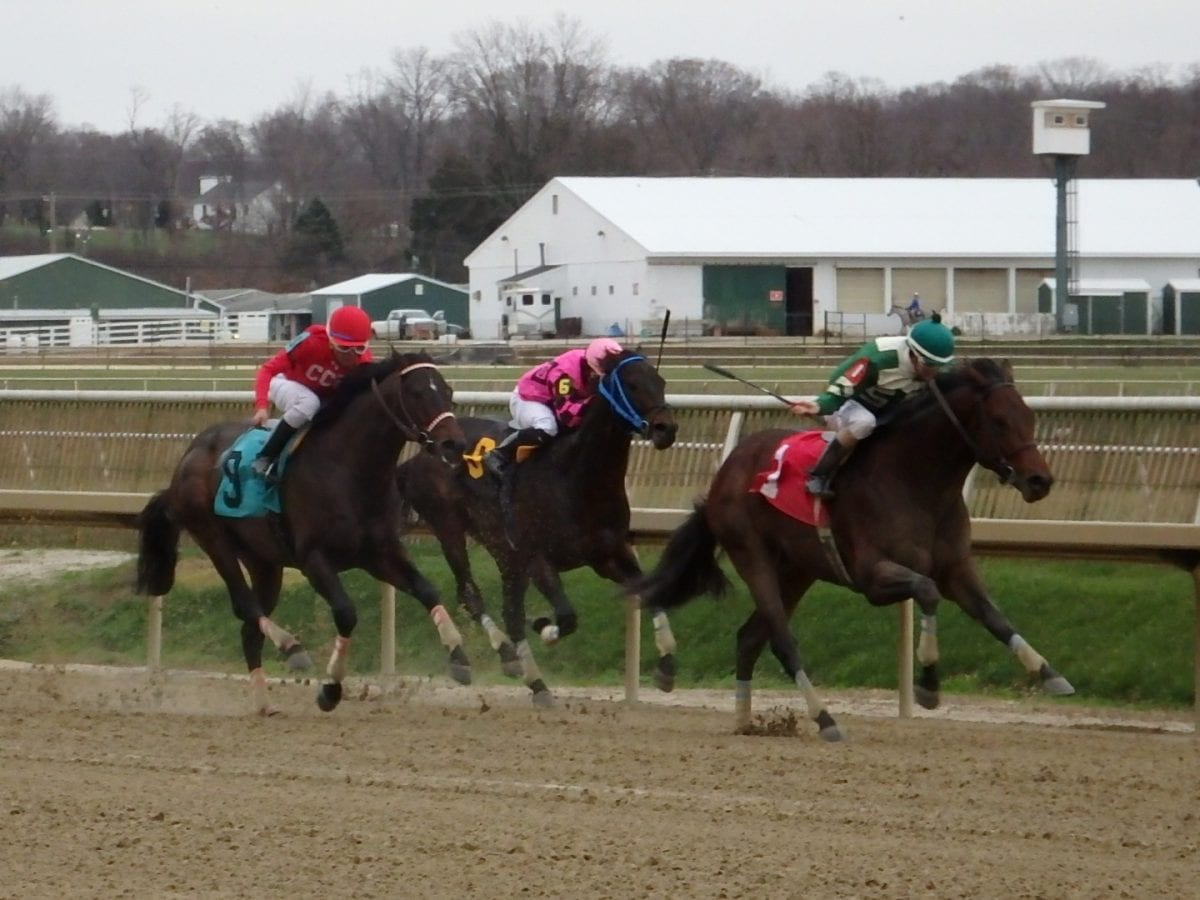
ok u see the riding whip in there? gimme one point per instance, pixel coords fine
(725, 373)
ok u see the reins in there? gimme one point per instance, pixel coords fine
(1000, 464)
(411, 430)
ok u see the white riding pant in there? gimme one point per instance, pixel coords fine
(854, 417)
(297, 404)
(531, 414)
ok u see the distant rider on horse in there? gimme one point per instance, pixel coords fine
(872, 379)
(302, 374)
(550, 396)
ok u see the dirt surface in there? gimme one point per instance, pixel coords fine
(35, 565)
(116, 783)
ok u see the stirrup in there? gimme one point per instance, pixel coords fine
(264, 468)
(818, 486)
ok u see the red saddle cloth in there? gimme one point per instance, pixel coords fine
(783, 483)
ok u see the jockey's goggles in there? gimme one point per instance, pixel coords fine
(356, 349)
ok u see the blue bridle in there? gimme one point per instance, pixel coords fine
(612, 389)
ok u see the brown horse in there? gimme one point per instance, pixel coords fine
(339, 507)
(899, 521)
(568, 508)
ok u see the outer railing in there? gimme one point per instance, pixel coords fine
(1127, 470)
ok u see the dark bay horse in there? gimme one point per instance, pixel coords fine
(340, 511)
(568, 509)
(899, 521)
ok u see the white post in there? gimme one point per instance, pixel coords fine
(633, 648)
(154, 634)
(905, 655)
(387, 630)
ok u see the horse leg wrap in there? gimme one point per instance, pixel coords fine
(447, 630)
(927, 643)
(496, 637)
(664, 638)
(815, 706)
(337, 661)
(1030, 658)
(279, 637)
(528, 663)
(741, 705)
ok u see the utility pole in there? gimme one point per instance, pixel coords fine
(53, 224)
(1060, 129)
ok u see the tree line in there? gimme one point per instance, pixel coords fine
(415, 164)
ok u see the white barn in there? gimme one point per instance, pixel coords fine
(790, 255)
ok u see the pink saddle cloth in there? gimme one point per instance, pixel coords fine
(783, 483)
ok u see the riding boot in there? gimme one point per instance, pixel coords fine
(821, 474)
(500, 459)
(264, 464)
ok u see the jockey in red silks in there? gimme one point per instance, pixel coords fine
(550, 396)
(305, 372)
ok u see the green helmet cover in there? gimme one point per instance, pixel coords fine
(933, 342)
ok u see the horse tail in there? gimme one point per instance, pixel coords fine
(158, 547)
(687, 568)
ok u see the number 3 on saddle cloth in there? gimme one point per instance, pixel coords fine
(242, 494)
(783, 483)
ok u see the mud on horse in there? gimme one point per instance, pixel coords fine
(339, 506)
(899, 534)
(568, 509)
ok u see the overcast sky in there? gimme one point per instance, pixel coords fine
(238, 59)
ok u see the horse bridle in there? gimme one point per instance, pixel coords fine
(1000, 465)
(612, 389)
(410, 429)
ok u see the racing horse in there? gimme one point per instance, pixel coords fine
(339, 507)
(566, 508)
(900, 531)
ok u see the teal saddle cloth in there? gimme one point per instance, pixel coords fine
(242, 494)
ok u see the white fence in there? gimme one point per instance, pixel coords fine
(84, 331)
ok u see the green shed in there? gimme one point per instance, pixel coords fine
(62, 283)
(1103, 305)
(1181, 306)
(380, 293)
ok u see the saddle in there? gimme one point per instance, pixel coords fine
(242, 494)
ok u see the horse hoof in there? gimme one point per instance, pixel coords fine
(543, 699)
(546, 630)
(297, 658)
(1058, 687)
(926, 699)
(832, 734)
(460, 673)
(329, 696)
(512, 668)
(664, 675)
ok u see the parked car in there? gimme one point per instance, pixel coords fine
(414, 324)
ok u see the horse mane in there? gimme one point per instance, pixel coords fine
(921, 403)
(357, 381)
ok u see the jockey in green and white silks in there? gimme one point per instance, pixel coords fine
(873, 378)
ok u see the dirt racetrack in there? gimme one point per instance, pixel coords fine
(121, 785)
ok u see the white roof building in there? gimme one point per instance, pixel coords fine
(782, 255)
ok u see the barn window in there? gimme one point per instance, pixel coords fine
(611, 290)
(575, 291)
(635, 289)
(593, 290)
(418, 289)
(554, 204)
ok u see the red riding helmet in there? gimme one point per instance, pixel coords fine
(349, 326)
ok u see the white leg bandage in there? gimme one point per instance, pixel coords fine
(447, 630)
(927, 643)
(1030, 658)
(664, 639)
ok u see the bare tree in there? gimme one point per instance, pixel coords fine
(694, 115)
(27, 124)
